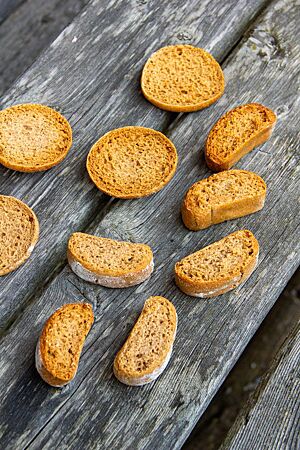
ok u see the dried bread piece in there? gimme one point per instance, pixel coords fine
(110, 263)
(33, 137)
(19, 232)
(182, 78)
(59, 347)
(237, 133)
(132, 162)
(219, 267)
(223, 196)
(148, 348)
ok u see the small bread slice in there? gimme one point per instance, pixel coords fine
(113, 264)
(182, 78)
(33, 137)
(19, 232)
(148, 348)
(132, 162)
(237, 133)
(223, 196)
(220, 267)
(59, 347)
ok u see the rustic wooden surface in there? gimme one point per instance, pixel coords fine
(18, 35)
(271, 420)
(97, 88)
(96, 411)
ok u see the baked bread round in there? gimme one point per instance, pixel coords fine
(33, 137)
(132, 162)
(19, 232)
(182, 78)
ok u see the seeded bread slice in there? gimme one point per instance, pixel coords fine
(33, 137)
(19, 232)
(223, 196)
(132, 162)
(182, 78)
(237, 133)
(110, 263)
(220, 267)
(59, 347)
(148, 348)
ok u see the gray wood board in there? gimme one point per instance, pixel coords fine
(7, 7)
(91, 73)
(95, 410)
(27, 31)
(271, 420)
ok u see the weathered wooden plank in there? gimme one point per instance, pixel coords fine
(271, 419)
(97, 88)
(96, 410)
(28, 31)
(7, 7)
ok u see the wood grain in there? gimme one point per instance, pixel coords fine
(91, 73)
(96, 411)
(271, 420)
(7, 7)
(18, 35)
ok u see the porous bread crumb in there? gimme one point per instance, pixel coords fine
(149, 342)
(19, 231)
(33, 137)
(223, 196)
(225, 263)
(236, 133)
(182, 78)
(62, 340)
(132, 162)
(107, 256)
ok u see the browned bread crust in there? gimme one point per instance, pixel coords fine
(33, 137)
(132, 162)
(237, 133)
(19, 232)
(107, 262)
(148, 348)
(60, 344)
(219, 267)
(222, 196)
(182, 78)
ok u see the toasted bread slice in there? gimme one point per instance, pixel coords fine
(59, 347)
(19, 232)
(132, 162)
(223, 196)
(148, 348)
(110, 263)
(182, 78)
(220, 267)
(237, 133)
(33, 137)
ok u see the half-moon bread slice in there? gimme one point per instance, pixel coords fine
(110, 263)
(219, 267)
(237, 133)
(148, 348)
(59, 347)
(19, 232)
(222, 196)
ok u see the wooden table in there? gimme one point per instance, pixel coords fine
(91, 74)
